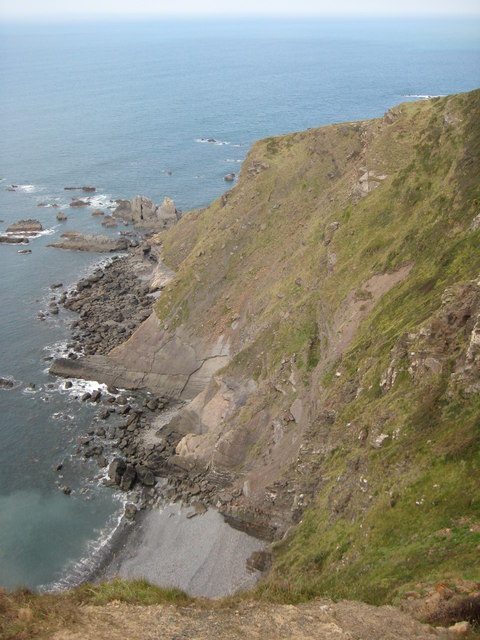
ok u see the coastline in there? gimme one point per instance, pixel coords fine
(201, 555)
(168, 509)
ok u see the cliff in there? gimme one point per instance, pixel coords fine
(325, 319)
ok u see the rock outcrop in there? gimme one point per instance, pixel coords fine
(146, 215)
(76, 241)
(25, 227)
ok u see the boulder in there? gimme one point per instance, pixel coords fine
(61, 217)
(145, 476)
(230, 177)
(130, 510)
(128, 478)
(5, 383)
(116, 470)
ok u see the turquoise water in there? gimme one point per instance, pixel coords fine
(127, 108)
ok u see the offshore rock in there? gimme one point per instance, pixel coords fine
(76, 241)
(25, 227)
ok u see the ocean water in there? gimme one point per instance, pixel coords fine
(128, 108)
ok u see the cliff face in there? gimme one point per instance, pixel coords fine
(326, 312)
(342, 273)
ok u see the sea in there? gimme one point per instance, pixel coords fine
(154, 108)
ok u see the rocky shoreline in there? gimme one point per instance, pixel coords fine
(134, 432)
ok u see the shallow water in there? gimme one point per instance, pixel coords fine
(128, 108)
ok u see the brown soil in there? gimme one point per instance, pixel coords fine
(250, 620)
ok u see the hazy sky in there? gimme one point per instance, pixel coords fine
(47, 9)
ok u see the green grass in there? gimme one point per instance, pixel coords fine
(265, 254)
(131, 591)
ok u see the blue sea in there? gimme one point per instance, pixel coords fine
(128, 108)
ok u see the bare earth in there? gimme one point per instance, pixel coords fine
(320, 620)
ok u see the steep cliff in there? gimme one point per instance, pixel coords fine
(342, 271)
(325, 317)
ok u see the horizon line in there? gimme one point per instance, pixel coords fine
(125, 16)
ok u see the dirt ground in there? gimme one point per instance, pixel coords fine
(322, 620)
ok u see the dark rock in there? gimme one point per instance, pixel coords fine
(102, 461)
(66, 490)
(152, 404)
(61, 217)
(130, 510)
(230, 177)
(14, 240)
(117, 469)
(145, 476)
(94, 451)
(128, 478)
(5, 383)
(24, 251)
(96, 395)
(68, 384)
(25, 227)
(59, 466)
(86, 396)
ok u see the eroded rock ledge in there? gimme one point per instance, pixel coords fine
(152, 360)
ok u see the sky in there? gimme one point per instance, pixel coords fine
(48, 9)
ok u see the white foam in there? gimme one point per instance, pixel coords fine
(26, 188)
(421, 96)
(76, 572)
(213, 141)
(29, 235)
(102, 201)
(233, 160)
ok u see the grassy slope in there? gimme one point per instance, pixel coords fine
(261, 255)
